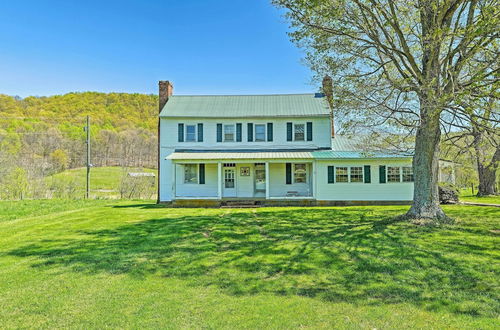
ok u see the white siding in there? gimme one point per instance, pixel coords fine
(374, 191)
(209, 189)
(277, 181)
(245, 184)
(321, 134)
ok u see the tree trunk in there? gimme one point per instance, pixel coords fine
(426, 168)
(488, 175)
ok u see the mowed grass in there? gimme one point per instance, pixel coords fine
(126, 264)
(467, 196)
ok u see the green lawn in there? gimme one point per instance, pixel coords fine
(467, 196)
(96, 264)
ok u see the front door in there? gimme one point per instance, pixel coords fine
(260, 180)
(229, 184)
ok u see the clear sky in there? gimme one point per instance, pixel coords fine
(203, 46)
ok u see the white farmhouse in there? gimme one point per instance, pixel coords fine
(268, 150)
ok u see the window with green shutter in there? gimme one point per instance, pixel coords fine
(288, 173)
(202, 174)
(289, 132)
(381, 173)
(331, 174)
(309, 131)
(269, 132)
(368, 174)
(200, 132)
(238, 132)
(250, 132)
(180, 133)
(219, 132)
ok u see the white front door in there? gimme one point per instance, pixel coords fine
(229, 184)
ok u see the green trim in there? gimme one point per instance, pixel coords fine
(331, 174)
(367, 174)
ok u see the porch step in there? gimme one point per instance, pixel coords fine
(240, 204)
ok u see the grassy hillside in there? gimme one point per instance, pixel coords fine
(109, 264)
(105, 182)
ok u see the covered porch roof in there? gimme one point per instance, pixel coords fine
(240, 155)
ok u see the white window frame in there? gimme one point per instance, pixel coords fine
(402, 174)
(362, 174)
(387, 174)
(349, 179)
(224, 132)
(335, 176)
(306, 174)
(195, 175)
(255, 132)
(305, 131)
(186, 132)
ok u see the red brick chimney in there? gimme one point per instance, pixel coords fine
(165, 91)
(328, 91)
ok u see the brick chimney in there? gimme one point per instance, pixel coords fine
(328, 91)
(165, 91)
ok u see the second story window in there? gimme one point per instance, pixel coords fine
(229, 133)
(298, 130)
(190, 133)
(260, 132)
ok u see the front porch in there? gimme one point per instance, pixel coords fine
(233, 180)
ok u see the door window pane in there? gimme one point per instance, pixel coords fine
(300, 173)
(191, 173)
(408, 174)
(393, 174)
(229, 178)
(229, 133)
(190, 133)
(341, 174)
(260, 133)
(299, 132)
(357, 174)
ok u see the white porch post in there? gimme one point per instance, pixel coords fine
(174, 179)
(313, 179)
(219, 180)
(267, 180)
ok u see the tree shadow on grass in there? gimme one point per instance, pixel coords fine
(351, 255)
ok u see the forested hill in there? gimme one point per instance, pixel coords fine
(115, 111)
(40, 136)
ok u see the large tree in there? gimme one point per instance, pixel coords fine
(406, 60)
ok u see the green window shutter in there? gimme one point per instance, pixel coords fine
(219, 132)
(288, 173)
(202, 173)
(381, 173)
(269, 132)
(289, 131)
(200, 132)
(368, 174)
(331, 174)
(309, 131)
(238, 132)
(250, 132)
(180, 133)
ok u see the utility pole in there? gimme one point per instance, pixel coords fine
(87, 129)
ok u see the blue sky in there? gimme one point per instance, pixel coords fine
(203, 47)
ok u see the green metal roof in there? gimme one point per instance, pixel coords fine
(245, 106)
(239, 155)
(332, 154)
